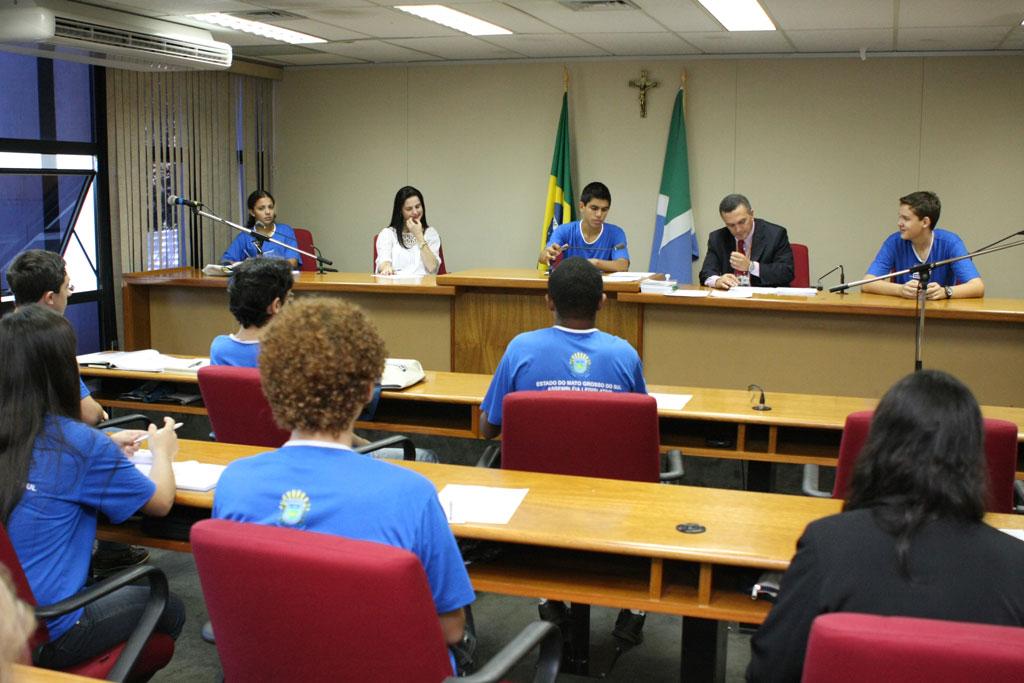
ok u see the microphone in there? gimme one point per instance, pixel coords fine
(175, 199)
(842, 276)
(760, 404)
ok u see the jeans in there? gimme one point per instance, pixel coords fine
(105, 623)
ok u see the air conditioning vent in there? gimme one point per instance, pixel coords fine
(266, 14)
(60, 29)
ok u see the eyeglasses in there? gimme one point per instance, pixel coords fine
(71, 288)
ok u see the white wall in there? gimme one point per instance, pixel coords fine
(822, 146)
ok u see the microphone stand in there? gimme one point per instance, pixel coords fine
(924, 272)
(257, 237)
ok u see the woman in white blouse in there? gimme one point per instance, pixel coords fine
(408, 246)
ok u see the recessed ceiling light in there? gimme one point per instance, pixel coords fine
(446, 16)
(257, 28)
(739, 15)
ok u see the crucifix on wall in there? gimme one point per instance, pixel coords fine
(643, 84)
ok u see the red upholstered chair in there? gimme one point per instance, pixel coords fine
(1000, 454)
(850, 648)
(304, 238)
(801, 266)
(441, 270)
(142, 655)
(591, 434)
(239, 412)
(298, 605)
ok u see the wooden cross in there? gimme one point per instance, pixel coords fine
(643, 84)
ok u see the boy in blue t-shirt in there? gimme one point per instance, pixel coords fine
(918, 241)
(319, 363)
(257, 291)
(603, 244)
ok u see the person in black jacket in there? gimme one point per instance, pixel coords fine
(911, 540)
(747, 250)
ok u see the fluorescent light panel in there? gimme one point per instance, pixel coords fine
(739, 15)
(257, 28)
(446, 16)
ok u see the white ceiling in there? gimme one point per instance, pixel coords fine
(371, 31)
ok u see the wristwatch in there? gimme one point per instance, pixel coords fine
(949, 292)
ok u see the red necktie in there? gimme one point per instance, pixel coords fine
(741, 247)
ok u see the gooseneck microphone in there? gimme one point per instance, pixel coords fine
(842, 276)
(181, 201)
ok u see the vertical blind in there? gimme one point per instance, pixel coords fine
(206, 136)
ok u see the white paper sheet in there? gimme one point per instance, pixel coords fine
(464, 504)
(189, 475)
(671, 401)
(734, 293)
(627, 276)
(147, 360)
(795, 291)
(1016, 533)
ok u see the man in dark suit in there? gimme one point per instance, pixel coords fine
(746, 247)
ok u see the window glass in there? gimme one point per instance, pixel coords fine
(19, 97)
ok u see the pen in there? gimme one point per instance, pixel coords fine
(145, 436)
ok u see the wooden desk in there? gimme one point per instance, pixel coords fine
(607, 542)
(32, 674)
(180, 310)
(853, 344)
(800, 428)
(493, 305)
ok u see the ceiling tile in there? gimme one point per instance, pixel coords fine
(381, 22)
(320, 59)
(503, 15)
(374, 51)
(541, 46)
(959, 13)
(167, 8)
(319, 29)
(587, 21)
(1015, 41)
(738, 42)
(808, 14)
(641, 43)
(679, 16)
(928, 39)
(460, 47)
(873, 39)
(271, 50)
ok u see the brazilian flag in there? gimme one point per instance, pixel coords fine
(560, 207)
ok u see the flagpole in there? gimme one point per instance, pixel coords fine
(565, 78)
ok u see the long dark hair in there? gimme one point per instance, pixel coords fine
(397, 222)
(923, 459)
(251, 203)
(40, 379)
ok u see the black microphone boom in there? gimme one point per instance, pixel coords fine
(842, 276)
(175, 199)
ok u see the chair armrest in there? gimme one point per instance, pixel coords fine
(543, 633)
(408, 447)
(491, 457)
(674, 469)
(124, 419)
(147, 622)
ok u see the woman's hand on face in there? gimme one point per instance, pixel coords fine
(415, 227)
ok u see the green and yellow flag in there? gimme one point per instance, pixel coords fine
(560, 207)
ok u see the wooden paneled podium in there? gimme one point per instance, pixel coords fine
(846, 345)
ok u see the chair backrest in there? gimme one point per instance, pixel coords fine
(1000, 457)
(297, 605)
(441, 270)
(593, 434)
(9, 558)
(801, 266)
(848, 647)
(304, 238)
(238, 410)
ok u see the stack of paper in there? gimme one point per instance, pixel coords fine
(657, 286)
(189, 475)
(734, 293)
(626, 276)
(148, 360)
(671, 401)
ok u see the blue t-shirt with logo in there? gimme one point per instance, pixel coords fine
(560, 359)
(242, 247)
(226, 350)
(334, 490)
(609, 245)
(898, 254)
(76, 472)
